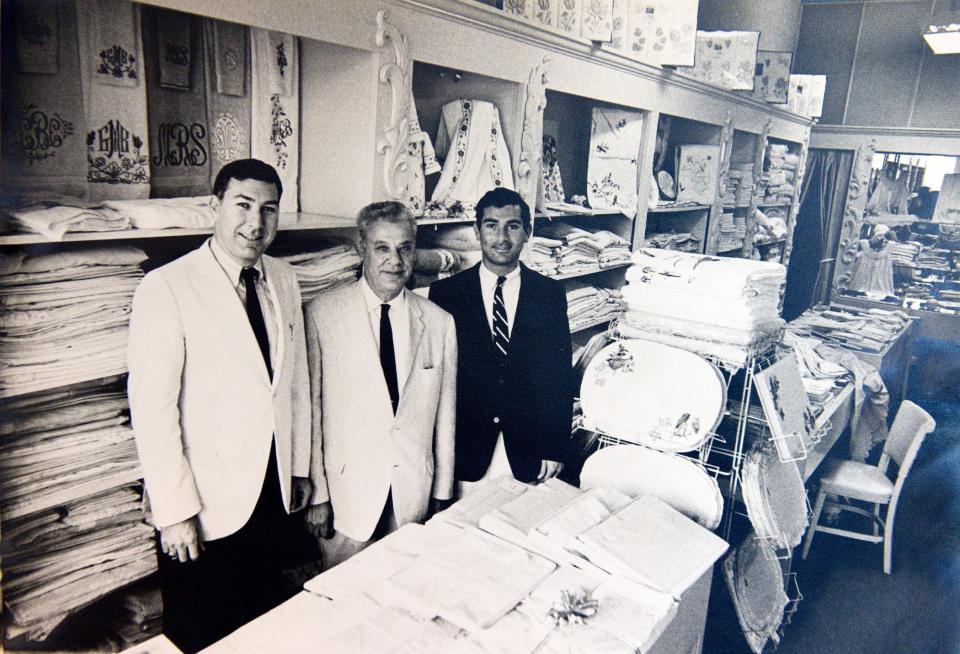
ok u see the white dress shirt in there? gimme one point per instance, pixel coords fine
(511, 295)
(231, 268)
(399, 325)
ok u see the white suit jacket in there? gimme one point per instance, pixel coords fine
(360, 449)
(203, 408)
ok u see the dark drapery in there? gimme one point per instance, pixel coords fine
(822, 202)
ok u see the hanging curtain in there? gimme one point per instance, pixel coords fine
(833, 168)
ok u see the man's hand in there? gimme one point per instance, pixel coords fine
(436, 506)
(319, 519)
(181, 541)
(301, 489)
(549, 470)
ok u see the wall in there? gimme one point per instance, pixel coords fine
(879, 70)
(776, 20)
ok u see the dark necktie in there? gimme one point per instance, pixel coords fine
(501, 332)
(255, 314)
(388, 359)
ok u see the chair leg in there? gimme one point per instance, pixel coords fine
(817, 508)
(876, 519)
(888, 539)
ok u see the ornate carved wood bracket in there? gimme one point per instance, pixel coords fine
(726, 149)
(531, 139)
(758, 189)
(398, 74)
(853, 217)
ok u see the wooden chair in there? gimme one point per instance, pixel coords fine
(850, 480)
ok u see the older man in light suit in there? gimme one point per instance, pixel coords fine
(219, 398)
(383, 369)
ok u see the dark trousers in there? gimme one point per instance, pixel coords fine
(236, 578)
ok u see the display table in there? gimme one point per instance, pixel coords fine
(833, 420)
(446, 587)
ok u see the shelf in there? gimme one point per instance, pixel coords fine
(591, 325)
(775, 241)
(680, 208)
(444, 221)
(737, 206)
(782, 205)
(590, 272)
(289, 222)
(553, 213)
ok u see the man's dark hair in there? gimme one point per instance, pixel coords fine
(246, 169)
(503, 197)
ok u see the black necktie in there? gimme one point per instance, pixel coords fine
(501, 332)
(388, 359)
(255, 314)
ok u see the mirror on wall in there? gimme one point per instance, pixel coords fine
(908, 253)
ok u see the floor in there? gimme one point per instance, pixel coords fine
(849, 605)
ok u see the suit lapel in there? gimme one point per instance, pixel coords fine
(522, 317)
(416, 336)
(224, 303)
(357, 322)
(474, 299)
(281, 302)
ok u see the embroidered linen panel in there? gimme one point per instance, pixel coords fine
(275, 108)
(227, 78)
(43, 120)
(612, 166)
(111, 68)
(726, 59)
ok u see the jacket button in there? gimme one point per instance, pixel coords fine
(496, 420)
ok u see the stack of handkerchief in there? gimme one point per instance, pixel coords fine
(721, 307)
(324, 270)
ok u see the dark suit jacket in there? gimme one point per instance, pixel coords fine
(528, 394)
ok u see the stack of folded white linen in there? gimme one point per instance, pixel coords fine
(59, 560)
(585, 251)
(460, 239)
(681, 241)
(852, 328)
(167, 213)
(905, 254)
(589, 305)
(432, 264)
(324, 270)
(721, 307)
(780, 174)
(733, 229)
(55, 221)
(64, 316)
(543, 255)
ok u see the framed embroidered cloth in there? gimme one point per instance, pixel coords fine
(806, 95)
(596, 20)
(662, 32)
(771, 79)
(697, 168)
(786, 407)
(612, 166)
(725, 59)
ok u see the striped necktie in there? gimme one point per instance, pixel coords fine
(501, 332)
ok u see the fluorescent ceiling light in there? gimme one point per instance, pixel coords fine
(943, 39)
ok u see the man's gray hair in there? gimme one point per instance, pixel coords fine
(389, 211)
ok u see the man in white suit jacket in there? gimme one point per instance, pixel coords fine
(219, 399)
(383, 369)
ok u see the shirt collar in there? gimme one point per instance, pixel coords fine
(231, 266)
(489, 278)
(373, 302)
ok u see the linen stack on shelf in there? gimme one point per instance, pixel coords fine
(432, 264)
(64, 316)
(905, 254)
(681, 242)
(722, 307)
(590, 305)
(852, 328)
(460, 240)
(779, 178)
(584, 251)
(324, 270)
(739, 188)
(733, 229)
(935, 259)
(543, 255)
(57, 561)
(57, 220)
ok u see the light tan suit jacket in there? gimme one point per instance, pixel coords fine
(361, 451)
(203, 407)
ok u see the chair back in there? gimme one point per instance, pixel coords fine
(910, 427)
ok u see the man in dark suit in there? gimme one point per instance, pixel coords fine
(514, 389)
